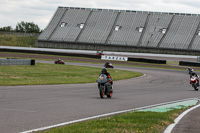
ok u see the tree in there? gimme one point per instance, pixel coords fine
(6, 28)
(27, 27)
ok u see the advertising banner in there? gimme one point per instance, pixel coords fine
(118, 58)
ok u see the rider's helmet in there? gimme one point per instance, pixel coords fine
(190, 69)
(104, 70)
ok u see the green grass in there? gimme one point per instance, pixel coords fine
(132, 64)
(22, 41)
(134, 122)
(43, 74)
(171, 65)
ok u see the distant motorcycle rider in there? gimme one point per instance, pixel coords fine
(190, 70)
(59, 60)
(193, 74)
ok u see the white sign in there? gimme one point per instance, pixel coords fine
(106, 57)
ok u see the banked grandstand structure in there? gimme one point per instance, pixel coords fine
(122, 30)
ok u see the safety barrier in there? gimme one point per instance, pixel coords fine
(11, 61)
(148, 60)
(82, 55)
(198, 59)
(52, 53)
(185, 63)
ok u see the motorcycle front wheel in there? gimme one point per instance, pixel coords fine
(196, 88)
(101, 92)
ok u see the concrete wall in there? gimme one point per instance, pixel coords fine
(5, 62)
(186, 63)
(86, 46)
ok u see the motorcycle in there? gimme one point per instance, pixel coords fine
(59, 62)
(105, 88)
(99, 52)
(194, 83)
(108, 65)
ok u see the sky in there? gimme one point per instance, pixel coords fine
(41, 11)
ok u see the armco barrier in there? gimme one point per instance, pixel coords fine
(147, 60)
(185, 63)
(52, 53)
(11, 61)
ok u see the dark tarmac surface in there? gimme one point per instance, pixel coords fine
(29, 107)
(189, 123)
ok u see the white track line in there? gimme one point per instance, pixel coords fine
(103, 115)
(171, 126)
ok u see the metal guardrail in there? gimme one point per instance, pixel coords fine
(186, 63)
(42, 50)
(8, 61)
(198, 59)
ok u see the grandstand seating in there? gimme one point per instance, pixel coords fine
(53, 24)
(195, 45)
(100, 28)
(181, 32)
(70, 32)
(153, 33)
(128, 34)
(196, 40)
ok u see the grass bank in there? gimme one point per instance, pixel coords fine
(44, 74)
(21, 41)
(134, 122)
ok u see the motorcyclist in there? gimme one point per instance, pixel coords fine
(59, 60)
(107, 64)
(104, 71)
(190, 70)
(193, 74)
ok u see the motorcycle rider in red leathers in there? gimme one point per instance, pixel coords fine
(193, 74)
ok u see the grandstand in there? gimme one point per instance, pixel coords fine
(122, 30)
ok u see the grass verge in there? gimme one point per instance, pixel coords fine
(43, 74)
(132, 122)
(169, 65)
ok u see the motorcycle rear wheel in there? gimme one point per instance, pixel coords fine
(196, 88)
(109, 95)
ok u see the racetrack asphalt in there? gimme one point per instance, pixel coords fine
(189, 123)
(28, 107)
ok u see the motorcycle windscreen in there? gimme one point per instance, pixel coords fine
(102, 79)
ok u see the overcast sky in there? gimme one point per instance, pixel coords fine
(41, 11)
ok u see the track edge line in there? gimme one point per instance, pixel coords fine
(103, 115)
(171, 126)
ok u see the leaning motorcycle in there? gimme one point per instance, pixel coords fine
(59, 62)
(194, 83)
(105, 88)
(108, 65)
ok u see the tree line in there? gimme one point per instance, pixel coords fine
(26, 27)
